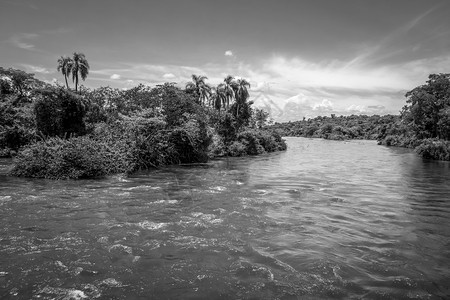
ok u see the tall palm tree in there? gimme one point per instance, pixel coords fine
(80, 68)
(240, 88)
(228, 88)
(199, 85)
(65, 67)
(219, 97)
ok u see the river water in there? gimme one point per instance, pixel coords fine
(324, 219)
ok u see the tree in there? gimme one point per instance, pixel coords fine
(427, 107)
(241, 94)
(261, 117)
(199, 86)
(65, 64)
(228, 89)
(80, 68)
(18, 81)
(219, 97)
(59, 113)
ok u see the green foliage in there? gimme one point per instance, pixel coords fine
(17, 122)
(427, 109)
(18, 82)
(138, 143)
(342, 127)
(254, 142)
(237, 149)
(261, 117)
(199, 88)
(58, 158)
(65, 65)
(227, 128)
(15, 113)
(79, 68)
(177, 105)
(434, 149)
(59, 113)
(105, 130)
(191, 141)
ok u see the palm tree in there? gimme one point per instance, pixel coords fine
(199, 85)
(65, 67)
(219, 97)
(228, 88)
(80, 67)
(240, 88)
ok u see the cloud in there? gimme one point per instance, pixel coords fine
(293, 87)
(168, 76)
(228, 53)
(149, 74)
(115, 76)
(23, 40)
(36, 69)
(324, 106)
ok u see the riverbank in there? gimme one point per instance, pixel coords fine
(55, 133)
(388, 130)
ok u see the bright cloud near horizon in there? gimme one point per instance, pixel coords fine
(302, 58)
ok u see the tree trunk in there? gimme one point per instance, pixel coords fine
(67, 84)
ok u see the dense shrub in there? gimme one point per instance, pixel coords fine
(217, 146)
(191, 140)
(58, 158)
(434, 149)
(17, 124)
(106, 130)
(343, 127)
(138, 142)
(237, 149)
(59, 113)
(408, 141)
(126, 145)
(254, 142)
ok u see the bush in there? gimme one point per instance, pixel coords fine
(237, 149)
(57, 158)
(59, 113)
(191, 141)
(16, 125)
(254, 142)
(407, 141)
(139, 142)
(217, 147)
(434, 149)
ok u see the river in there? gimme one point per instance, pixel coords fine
(322, 220)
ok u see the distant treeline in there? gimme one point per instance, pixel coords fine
(341, 127)
(423, 123)
(58, 133)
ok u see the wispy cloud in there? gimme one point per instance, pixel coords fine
(393, 44)
(169, 76)
(299, 86)
(149, 74)
(36, 69)
(228, 53)
(115, 76)
(24, 40)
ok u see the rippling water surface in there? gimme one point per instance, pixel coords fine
(324, 219)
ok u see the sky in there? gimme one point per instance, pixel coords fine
(303, 58)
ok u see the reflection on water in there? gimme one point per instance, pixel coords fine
(324, 219)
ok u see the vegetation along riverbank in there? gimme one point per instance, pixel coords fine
(423, 123)
(60, 132)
